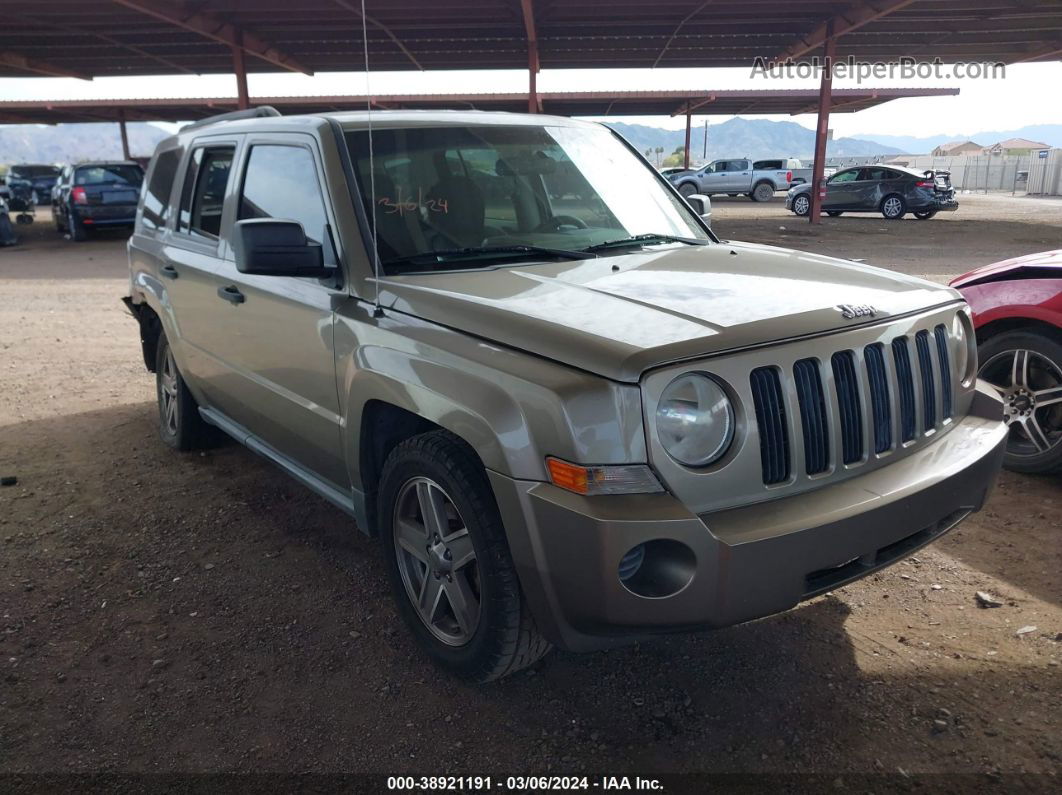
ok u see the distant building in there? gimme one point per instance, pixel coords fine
(1015, 146)
(953, 148)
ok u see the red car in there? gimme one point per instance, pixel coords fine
(1017, 306)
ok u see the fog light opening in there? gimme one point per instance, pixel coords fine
(657, 569)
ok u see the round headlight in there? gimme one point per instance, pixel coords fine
(694, 420)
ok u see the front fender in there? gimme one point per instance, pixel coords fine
(512, 407)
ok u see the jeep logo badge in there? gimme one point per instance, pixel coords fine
(852, 311)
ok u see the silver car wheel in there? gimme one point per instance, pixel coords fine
(892, 207)
(763, 192)
(1031, 387)
(801, 205)
(436, 561)
(168, 394)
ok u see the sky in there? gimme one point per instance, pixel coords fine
(1026, 95)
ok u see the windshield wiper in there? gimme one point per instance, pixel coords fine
(641, 240)
(462, 255)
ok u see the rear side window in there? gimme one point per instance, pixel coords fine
(159, 189)
(767, 165)
(281, 182)
(203, 192)
(124, 175)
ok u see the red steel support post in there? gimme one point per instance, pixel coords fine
(686, 159)
(818, 181)
(240, 68)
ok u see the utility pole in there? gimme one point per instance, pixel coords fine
(705, 155)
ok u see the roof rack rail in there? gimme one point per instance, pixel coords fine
(248, 113)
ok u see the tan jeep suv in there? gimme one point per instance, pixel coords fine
(511, 350)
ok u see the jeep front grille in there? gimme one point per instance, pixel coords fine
(840, 415)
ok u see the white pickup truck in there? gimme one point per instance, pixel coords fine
(759, 179)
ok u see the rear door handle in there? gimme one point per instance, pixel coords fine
(169, 272)
(231, 294)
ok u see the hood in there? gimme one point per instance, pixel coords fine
(619, 316)
(1018, 268)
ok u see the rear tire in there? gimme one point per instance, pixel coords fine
(925, 215)
(440, 472)
(78, 233)
(763, 192)
(180, 424)
(893, 207)
(1040, 378)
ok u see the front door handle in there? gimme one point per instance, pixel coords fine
(169, 272)
(231, 294)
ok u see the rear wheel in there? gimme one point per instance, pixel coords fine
(893, 207)
(763, 192)
(180, 425)
(687, 189)
(1026, 368)
(802, 205)
(924, 215)
(451, 570)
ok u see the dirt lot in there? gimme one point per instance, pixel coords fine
(203, 613)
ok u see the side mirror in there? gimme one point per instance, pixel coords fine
(270, 247)
(702, 205)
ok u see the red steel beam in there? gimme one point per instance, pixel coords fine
(818, 189)
(860, 14)
(213, 27)
(125, 135)
(38, 66)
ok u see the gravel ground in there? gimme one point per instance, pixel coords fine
(204, 613)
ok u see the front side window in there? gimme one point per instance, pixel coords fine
(203, 192)
(845, 176)
(482, 187)
(281, 182)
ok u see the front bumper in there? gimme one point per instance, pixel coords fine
(748, 562)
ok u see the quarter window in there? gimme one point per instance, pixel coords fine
(203, 193)
(281, 182)
(160, 186)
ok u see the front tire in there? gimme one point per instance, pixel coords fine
(1026, 368)
(687, 189)
(180, 424)
(802, 205)
(451, 570)
(893, 207)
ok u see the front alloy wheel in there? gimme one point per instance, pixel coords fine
(437, 561)
(1027, 370)
(802, 205)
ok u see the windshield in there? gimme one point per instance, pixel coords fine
(117, 174)
(461, 190)
(30, 172)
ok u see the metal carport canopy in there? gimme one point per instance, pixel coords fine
(141, 37)
(574, 103)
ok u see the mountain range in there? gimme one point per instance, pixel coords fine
(734, 138)
(749, 138)
(66, 143)
(1050, 134)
